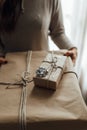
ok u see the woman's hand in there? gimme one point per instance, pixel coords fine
(2, 60)
(72, 53)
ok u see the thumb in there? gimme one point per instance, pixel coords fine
(69, 53)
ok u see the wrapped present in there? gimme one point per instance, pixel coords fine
(26, 107)
(49, 74)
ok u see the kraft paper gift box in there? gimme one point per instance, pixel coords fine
(43, 109)
(49, 74)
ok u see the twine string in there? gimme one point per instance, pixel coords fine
(22, 114)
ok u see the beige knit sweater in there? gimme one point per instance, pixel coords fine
(40, 19)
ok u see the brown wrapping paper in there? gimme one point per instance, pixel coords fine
(46, 110)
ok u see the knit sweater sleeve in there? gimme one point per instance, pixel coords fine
(56, 28)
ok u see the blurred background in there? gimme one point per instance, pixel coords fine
(75, 22)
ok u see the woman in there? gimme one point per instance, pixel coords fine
(26, 24)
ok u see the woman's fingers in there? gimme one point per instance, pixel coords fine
(72, 53)
(3, 60)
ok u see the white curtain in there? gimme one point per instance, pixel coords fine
(75, 21)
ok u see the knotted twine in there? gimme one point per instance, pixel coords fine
(54, 66)
(22, 111)
(23, 99)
